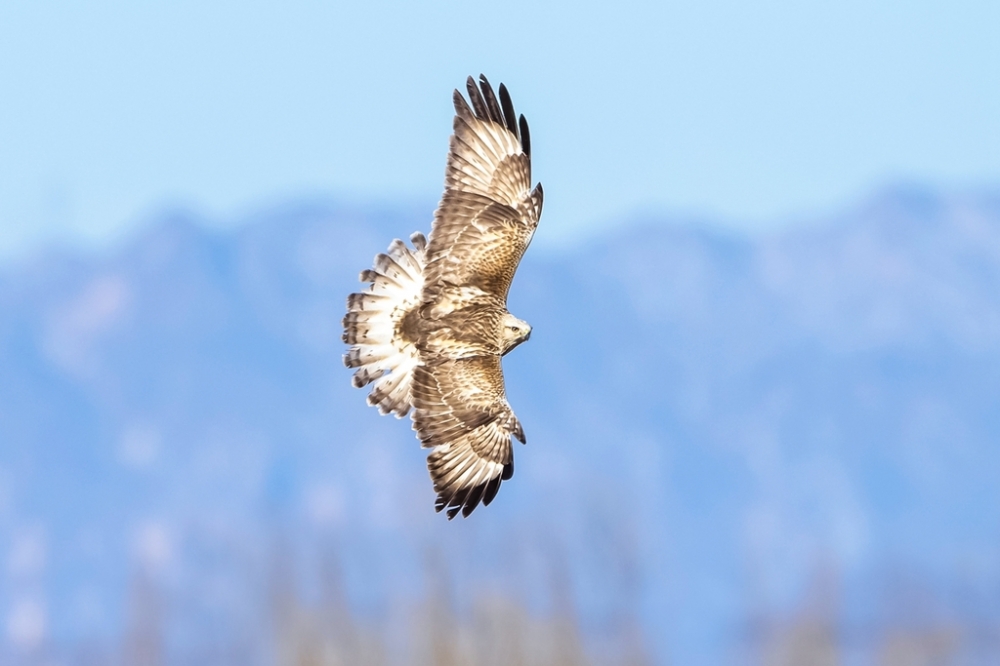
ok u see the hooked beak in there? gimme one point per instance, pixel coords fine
(528, 335)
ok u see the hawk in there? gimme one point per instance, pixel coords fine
(431, 327)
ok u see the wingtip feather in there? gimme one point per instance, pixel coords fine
(525, 135)
(508, 111)
(462, 109)
(492, 106)
(476, 98)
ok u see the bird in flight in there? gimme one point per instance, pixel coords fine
(429, 330)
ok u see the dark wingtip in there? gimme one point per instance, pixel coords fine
(465, 500)
(492, 106)
(525, 136)
(473, 499)
(509, 118)
(476, 98)
(492, 486)
(461, 106)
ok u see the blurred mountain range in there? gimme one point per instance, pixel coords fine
(726, 433)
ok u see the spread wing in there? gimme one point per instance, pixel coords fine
(488, 213)
(461, 412)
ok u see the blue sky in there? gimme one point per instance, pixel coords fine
(749, 112)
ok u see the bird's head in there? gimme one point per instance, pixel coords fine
(515, 332)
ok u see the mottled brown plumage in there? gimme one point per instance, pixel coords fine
(431, 328)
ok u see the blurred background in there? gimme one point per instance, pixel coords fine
(760, 395)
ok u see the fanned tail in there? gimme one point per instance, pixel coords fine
(372, 326)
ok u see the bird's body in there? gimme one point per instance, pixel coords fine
(431, 328)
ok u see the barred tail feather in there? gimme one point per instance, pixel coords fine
(371, 326)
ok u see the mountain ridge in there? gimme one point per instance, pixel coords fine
(712, 418)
